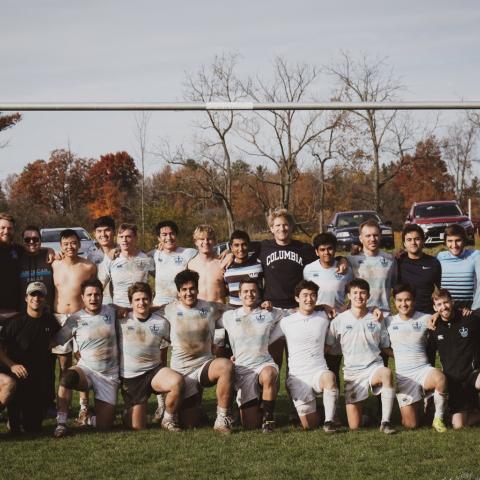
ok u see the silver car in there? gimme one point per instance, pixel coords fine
(51, 239)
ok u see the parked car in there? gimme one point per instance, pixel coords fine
(51, 238)
(344, 225)
(434, 216)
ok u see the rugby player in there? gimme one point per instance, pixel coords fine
(305, 332)
(242, 267)
(192, 326)
(249, 330)
(457, 339)
(460, 266)
(93, 328)
(415, 377)
(131, 265)
(25, 343)
(376, 267)
(142, 336)
(170, 259)
(362, 339)
(68, 274)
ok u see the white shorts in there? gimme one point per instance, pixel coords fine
(410, 389)
(66, 347)
(105, 387)
(246, 382)
(358, 384)
(192, 380)
(305, 389)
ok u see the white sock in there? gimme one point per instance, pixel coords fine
(330, 397)
(388, 398)
(170, 417)
(161, 400)
(83, 403)
(62, 417)
(223, 412)
(439, 399)
(92, 421)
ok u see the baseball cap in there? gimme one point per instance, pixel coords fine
(37, 287)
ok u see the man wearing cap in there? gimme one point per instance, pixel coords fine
(24, 361)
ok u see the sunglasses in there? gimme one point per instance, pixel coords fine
(31, 239)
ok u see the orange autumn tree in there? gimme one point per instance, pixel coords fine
(113, 180)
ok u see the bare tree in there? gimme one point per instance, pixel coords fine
(459, 149)
(375, 132)
(141, 136)
(279, 137)
(6, 122)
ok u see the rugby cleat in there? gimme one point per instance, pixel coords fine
(83, 417)
(387, 428)
(170, 425)
(329, 427)
(223, 424)
(438, 425)
(268, 426)
(60, 431)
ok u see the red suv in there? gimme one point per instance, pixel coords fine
(434, 216)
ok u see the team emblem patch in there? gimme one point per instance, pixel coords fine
(463, 332)
(203, 312)
(338, 276)
(155, 329)
(349, 327)
(383, 262)
(395, 327)
(260, 317)
(178, 260)
(106, 319)
(371, 326)
(417, 326)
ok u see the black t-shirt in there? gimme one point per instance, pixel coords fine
(35, 268)
(457, 342)
(10, 287)
(283, 269)
(422, 274)
(27, 340)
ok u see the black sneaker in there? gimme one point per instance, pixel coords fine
(329, 427)
(268, 426)
(387, 428)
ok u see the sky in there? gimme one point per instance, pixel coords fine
(119, 51)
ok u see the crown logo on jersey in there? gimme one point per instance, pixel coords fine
(383, 261)
(178, 260)
(155, 329)
(371, 326)
(260, 317)
(203, 312)
(463, 332)
(417, 325)
(338, 276)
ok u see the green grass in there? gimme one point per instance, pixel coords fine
(201, 454)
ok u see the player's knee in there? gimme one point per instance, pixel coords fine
(70, 379)
(329, 381)
(440, 382)
(8, 387)
(226, 368)
(409, 423)
(269, 376)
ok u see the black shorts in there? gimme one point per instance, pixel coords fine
(137, 390)
(462, 394)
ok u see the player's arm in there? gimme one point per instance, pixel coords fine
(65, 333)
(332, 337)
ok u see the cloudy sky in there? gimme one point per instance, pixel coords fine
(58, 51)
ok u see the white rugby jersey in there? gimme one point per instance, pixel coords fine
(124, 272)
(409, 341)
(380, 271)
(305, 336)
(96, 338)
(331, 284)
(250, 334)
(140, 342)
(101, 261)
(192, 332)
(360, 338)
(167, 265)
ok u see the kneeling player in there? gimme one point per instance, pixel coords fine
(93, 328)
(249, 330)
(305, 332)
(142, 335)
(457, 339)
(362, 339)
(192, 328)
(415, 377)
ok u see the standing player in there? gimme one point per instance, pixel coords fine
(305, 332)
(93, 328)
(457, 339)
(131, 265)
(459, 266)
(68, 275)
(242, 268)
(331, 286)
(378, 268)
(170, 259)
(192, 326)
(25, 353)
(104, 231)
(142, 335)
(418, 269)
(415, 377)
(249, 331)
(362, 339)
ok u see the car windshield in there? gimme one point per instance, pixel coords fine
(355, 219)
(53, 236)
(437, 210)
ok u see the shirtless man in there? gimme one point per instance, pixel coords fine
(68, 275)
(211, 286)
